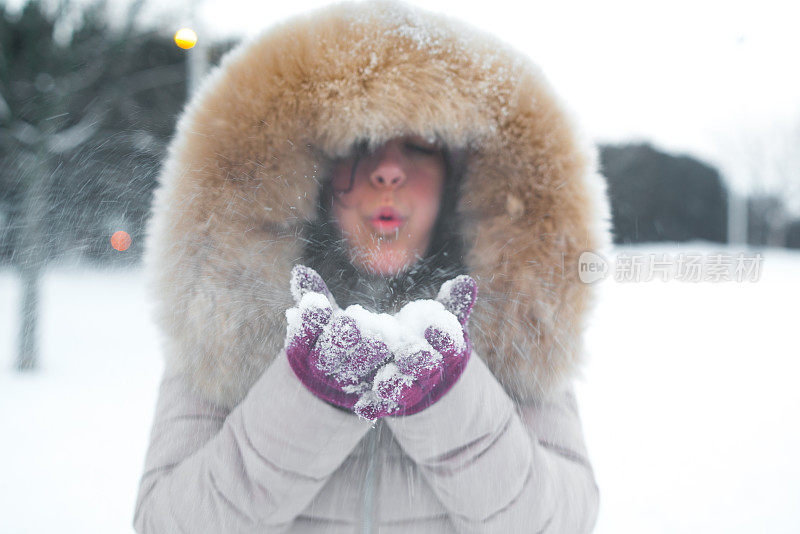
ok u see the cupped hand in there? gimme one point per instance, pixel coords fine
(420, 376)
(399, 365)
(325, 347)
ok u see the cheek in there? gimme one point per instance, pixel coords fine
(429, 200)
(345, 218)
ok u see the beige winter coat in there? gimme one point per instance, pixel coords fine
(238, 444)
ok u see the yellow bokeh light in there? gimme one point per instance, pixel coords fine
(185, 38)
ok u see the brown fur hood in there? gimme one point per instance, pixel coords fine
(254, 145)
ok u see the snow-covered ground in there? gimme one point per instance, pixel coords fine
(689, 401)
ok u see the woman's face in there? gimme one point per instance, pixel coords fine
(387, 216)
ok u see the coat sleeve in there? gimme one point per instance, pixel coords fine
(259, 465)
(499, 467)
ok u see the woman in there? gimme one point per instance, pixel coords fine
(257, 182)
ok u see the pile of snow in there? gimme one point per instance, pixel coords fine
(350, 354)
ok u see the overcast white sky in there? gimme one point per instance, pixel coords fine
(717, 79)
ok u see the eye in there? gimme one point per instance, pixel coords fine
(420, 148)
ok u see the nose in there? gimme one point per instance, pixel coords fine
(389, 171)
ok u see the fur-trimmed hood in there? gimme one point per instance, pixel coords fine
(255, 144)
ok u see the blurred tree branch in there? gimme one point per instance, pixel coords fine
(81, 122)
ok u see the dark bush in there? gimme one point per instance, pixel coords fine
(660, 197)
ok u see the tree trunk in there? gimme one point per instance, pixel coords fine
(737, 218)
(30, 264)
(27, 357)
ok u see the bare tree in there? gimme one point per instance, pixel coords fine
(764, 161)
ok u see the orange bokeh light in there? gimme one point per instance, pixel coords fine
(121, 240)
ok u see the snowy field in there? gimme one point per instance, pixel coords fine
(690, 402)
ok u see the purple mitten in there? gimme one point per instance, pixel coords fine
(401, 384)
(418, 378)
(325, 349)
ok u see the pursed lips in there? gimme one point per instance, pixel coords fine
(387, 219)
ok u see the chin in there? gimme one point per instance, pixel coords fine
(388, 263)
